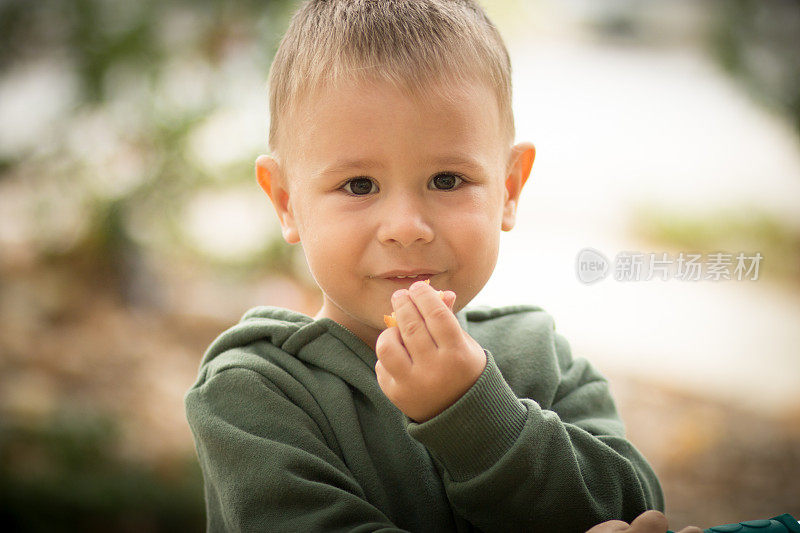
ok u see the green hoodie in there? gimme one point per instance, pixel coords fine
(293, 433)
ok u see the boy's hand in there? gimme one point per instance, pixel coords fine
(647, 522)
(427, 362)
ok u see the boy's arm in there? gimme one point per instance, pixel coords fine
(274, 471)
(510, 463)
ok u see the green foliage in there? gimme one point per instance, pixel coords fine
(63, 475)
(126, 59)
(730, 230)
(759, 44)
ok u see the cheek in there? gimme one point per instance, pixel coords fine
(330, 240)
(475, 235)
(477, 228)
(316, 224)
(478, 214)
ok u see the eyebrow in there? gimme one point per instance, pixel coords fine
(351, 164)
(365, 163)
(457, 160)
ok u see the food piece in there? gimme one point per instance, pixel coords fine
(391, 321)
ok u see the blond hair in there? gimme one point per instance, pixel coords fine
(412, 44)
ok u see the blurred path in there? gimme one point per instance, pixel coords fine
(616, 128)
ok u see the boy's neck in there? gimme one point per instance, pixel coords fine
(368, 336)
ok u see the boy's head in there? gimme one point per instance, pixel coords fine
(391, 136)
(409, 44)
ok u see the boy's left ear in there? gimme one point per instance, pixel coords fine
(519, 166)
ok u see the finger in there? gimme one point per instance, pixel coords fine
(413, 330)
(439, 319)
(612, 526)
(392, 354)
(691, 529)
(649, 522)
(449, 299)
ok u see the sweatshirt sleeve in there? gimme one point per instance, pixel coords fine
(512, 465)
(274, 471)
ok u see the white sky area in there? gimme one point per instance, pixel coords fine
(618, 127)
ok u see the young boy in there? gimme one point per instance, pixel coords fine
(393, 165)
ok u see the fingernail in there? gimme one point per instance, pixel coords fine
(417, 286)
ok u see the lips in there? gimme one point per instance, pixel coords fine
(412, 275)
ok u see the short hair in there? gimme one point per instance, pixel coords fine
(409, 43)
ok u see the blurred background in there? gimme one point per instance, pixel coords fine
(132, 233)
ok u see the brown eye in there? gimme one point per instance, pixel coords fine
(446, 181)
(359, 186)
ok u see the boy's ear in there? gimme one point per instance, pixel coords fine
(519, 166)
(271, 178)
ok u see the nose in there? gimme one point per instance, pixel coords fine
(405, 221)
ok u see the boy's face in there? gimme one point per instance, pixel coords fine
(382, 184)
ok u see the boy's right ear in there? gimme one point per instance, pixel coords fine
(271, 179)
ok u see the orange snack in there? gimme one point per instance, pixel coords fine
(391, 321)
